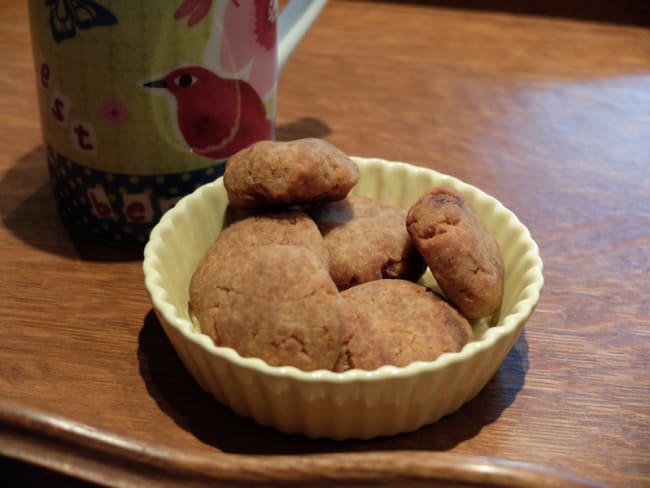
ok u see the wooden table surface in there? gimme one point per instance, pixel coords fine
(551, 115)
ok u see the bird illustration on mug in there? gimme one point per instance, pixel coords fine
(216, 116)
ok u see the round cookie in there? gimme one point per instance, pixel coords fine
(261, 228)
(366, 240)
(397, 322)
(270, 173)
(275, 302)
(463, 256)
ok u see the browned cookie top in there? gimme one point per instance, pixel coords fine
(460, 251)
(397, 322)
(367, 240)
(271, 173)
(275, 302)
(262, 228)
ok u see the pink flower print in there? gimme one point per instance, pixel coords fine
(195, 9)
(266, 17)
(115, 112)
(250, 39)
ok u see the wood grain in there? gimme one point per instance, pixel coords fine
(550, 115)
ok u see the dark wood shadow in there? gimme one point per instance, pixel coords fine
(28, 210)
(180, 397)
(633, 12)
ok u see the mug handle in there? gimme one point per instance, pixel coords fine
(295, 19)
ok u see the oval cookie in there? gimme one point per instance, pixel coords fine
(463, 256)
(257, 229)
(275, 302)
(298, 172)
(366, 240)
(397, 322)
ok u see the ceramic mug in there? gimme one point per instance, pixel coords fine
(142, 101)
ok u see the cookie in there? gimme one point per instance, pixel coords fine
(397, 322)
(261, 228)
(275, 302)
(366, 240)
(298, 172)
(463, 256)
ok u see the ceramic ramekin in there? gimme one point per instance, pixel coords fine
(353, 404)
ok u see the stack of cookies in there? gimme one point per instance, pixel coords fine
(309, 276)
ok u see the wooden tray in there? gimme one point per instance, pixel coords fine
(98, 456)
(548, 114)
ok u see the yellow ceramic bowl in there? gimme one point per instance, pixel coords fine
(354, 404)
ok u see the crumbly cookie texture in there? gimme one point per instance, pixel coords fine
(397, 322)
(463, 256)
(297, 172)
(260, 228)
(275, 302)
(366, 240)
(304, 274)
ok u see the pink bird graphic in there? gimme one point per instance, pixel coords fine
(216, 116)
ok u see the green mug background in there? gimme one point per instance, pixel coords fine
(115, 151)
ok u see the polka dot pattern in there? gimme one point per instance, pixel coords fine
(119, 208)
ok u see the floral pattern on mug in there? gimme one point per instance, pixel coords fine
(249, 39)
(196, 10)
(115, 112)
